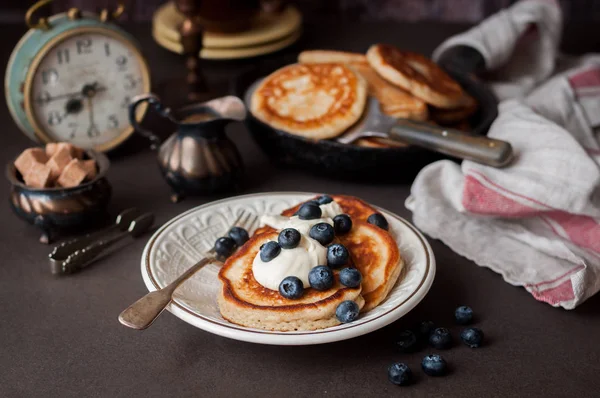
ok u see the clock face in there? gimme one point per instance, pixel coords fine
(82, 87)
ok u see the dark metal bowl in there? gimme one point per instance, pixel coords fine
(328, 157)
(56, 209)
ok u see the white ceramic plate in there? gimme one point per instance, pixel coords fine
(180, 243)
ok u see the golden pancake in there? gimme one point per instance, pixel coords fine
(245, 302)
(417, 74)
(316, 101)
(393, 100)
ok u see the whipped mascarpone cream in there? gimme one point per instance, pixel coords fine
(297, 261)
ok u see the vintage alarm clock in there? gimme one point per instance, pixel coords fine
(71, 78)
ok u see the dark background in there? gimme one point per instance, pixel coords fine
(398, 10)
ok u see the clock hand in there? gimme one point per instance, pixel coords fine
(83, 93)
(92, 129)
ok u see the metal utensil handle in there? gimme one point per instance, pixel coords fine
(157, 105)
(81, 258)
(64, 249)
(453, 142)
(143, 312)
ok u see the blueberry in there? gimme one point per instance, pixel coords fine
(289, 238)
(473, 337)
(225, 246)
(309, 211)
(350, 277)
(322, 232)
(239, 235)
(463, 315)
(399, 374)
(425, 329)
(347, 311)
(434, 365)
(291, 288)
(440, 339)
(378, 220)
(337, 255)
(342, 223)
(320, 277)
(407, 341)
(324, 199)
(269, 251)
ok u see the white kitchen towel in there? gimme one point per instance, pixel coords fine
(537, 221)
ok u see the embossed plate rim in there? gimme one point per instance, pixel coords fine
(337, 333)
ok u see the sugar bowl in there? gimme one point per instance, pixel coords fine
(58, 209)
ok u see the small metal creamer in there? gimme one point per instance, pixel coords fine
(198, 158)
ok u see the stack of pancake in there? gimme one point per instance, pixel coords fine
(325, 93)
(373, 251)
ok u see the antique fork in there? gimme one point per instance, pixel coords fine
(143, 312)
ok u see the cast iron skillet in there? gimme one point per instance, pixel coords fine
(328, 157)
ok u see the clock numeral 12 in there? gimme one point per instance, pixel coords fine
(83, 46)
(63, 56)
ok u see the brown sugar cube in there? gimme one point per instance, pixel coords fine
(28, 158)
(59, 161)
(72, 175)
(90, 168)
(38, 176)
(53, 147)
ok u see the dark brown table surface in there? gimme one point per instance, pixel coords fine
(59, 337)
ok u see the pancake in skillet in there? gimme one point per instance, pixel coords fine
(393, 100)
(315, 101)
(417, 74)
(372, 250)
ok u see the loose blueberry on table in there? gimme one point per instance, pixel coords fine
(269, 251)
(463, 315)
(378, 220)
(324, 199)
(347, 311)
(350, 277)
(321, 277)
(309, 211)
(441, 339)
(434, 365)
(337, 255)
(472, 337)
(291, 288)
(399, 374)
(322, 233)
(224, 247)
(407, 341)
(425, 329)
(289, 238)
(342, 224)
(239, 235)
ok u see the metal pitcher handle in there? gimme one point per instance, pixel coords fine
(155, 103)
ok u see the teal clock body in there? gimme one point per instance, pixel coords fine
(71, 80)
